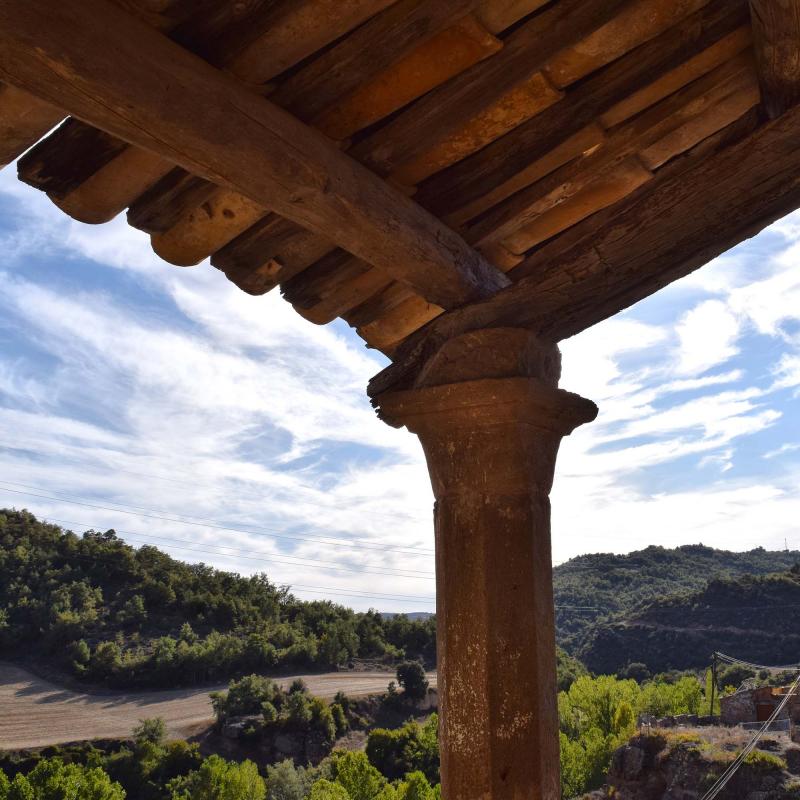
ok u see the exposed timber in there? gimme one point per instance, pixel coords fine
(776, 32)
(705, 203)
(114, 72)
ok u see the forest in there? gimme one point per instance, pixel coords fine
(135, 617)
(596, 715)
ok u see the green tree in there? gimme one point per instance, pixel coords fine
(359, 778)
(51, 779)
(20, 789)
(217, 779)
(411, 676)
(152, 730)
(324, 789)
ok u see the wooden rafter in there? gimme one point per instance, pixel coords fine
(776, 33)
(726, 190)
(114, 72)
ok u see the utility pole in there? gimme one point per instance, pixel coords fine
(713, 682)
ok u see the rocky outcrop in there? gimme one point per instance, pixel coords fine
(683, 766)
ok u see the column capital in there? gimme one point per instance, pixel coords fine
(488, 377)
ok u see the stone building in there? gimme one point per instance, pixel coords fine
(757, 705)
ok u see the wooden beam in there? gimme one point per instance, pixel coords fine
(482, 173)
(727, 189)
(24, 119)
(776, 34)
(123, 77)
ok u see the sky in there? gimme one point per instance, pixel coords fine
(167, 404)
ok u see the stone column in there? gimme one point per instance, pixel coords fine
(490, 418)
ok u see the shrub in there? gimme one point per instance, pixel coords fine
(411, 676)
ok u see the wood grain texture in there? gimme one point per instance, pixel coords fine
(449, 107)
(372, 48)
(482, 173)
(24, 119)
(726, 190)
(776, 33)
(271, 251)
(639, 133)
(128, 80)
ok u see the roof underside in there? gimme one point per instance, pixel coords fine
(523, 125)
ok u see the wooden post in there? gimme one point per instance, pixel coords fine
(490, 419)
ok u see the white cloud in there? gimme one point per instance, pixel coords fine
(213, 406)
(707, 336)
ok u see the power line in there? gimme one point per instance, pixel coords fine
(137, 511)
(726, 776)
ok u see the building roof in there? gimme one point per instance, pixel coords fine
(585, 152)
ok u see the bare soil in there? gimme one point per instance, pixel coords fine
(36, 713)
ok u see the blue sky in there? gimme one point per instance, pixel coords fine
(169, 405)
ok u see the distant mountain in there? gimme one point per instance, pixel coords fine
(595, 593)
(754, 618)
(414, 616)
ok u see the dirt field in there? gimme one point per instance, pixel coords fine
(34, 713)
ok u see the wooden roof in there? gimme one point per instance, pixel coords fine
(527, 162)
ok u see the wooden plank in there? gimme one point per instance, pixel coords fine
(263, 37)
(121, 76)
(638, 22)
(522, 102)
(449, 107)
(606, 188)
(366, 52)
(432, 62)
(695, 210)
(776, 32)
(271, 251)
(497, 15)
(482, 173)
(207, 227)
(697, 66)
(644, 130)
(285, 33)
(24, 119)
(341, 299)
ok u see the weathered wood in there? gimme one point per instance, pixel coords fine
(284, 33)
(482, 173)
(271, 251)
(161, 206)
(601, 190)
(693, 212)
(636, 23)
(451, 106)
(497, 15)
(378, 305)
(123, 77)
(776, 33)
(205, 228)
(372, 48)
(386, 332)
(337, 301)
(262, 37)
(429, 64)
(45, 168)
(24, 119)
(524, 101)
(639, 133)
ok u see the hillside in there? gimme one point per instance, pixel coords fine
(752, 617)
(123, 616)
(616, 584)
